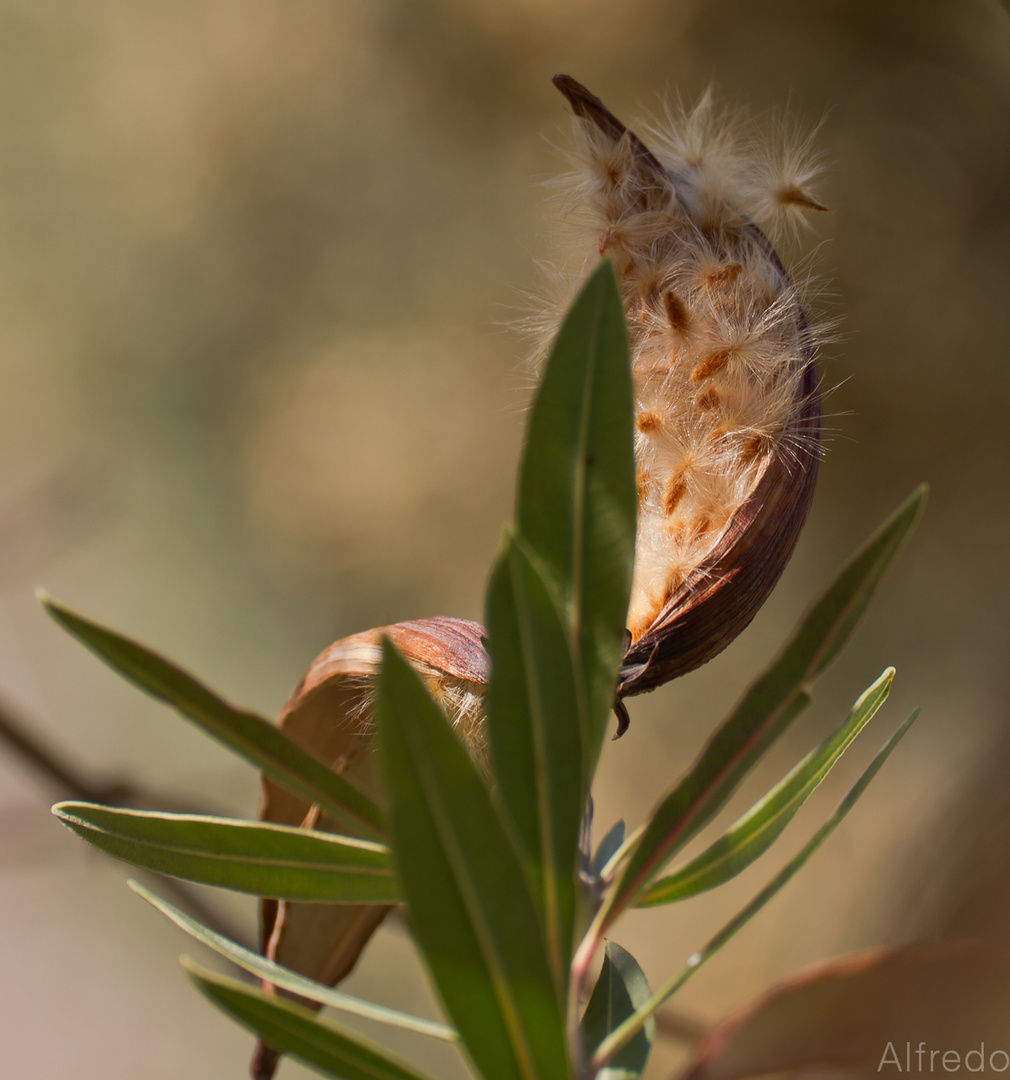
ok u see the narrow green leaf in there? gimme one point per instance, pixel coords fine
(758, 829)
(767, 708)
(294, 1030)
(470, 905)
(251, 736)
(576, 501)
(248, 856)
(830, 622)
(626, 1031)
(608, 847)
(536, 718)
(694, 801)
(287, 979)
(620, 989)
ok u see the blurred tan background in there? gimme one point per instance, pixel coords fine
(258, 392)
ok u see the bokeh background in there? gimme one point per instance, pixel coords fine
(258, 262)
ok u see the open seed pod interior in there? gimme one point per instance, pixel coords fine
(727, 411)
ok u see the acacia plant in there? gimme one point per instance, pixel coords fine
(669, 463)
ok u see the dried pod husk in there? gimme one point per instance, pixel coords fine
(727, 410)
(330, 715)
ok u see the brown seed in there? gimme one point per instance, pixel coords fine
(675, 490)
(676, 532)
(643, 478)
(677, 314)
(700, 524)
(792, 195)
(724, 275)
(711, 364)
(752, 448)
(614, 173)
(609, 240)
(647, 422)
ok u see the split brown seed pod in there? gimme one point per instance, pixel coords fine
(727, 410)
(330, 714)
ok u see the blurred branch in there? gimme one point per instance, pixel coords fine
(71, 782)
(68, 780)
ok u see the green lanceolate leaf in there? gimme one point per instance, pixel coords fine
(758, 829)
(251, 736)
(470, 906)
(626, 1031)
(287, 979)
(829, 624)
(294, 1030)
(576, 501)
(695, 800)
(536, 721)
(608, 847)
(620, 989)
(248, 856)
(767, 708)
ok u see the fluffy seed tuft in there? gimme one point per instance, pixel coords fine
(722, 353)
